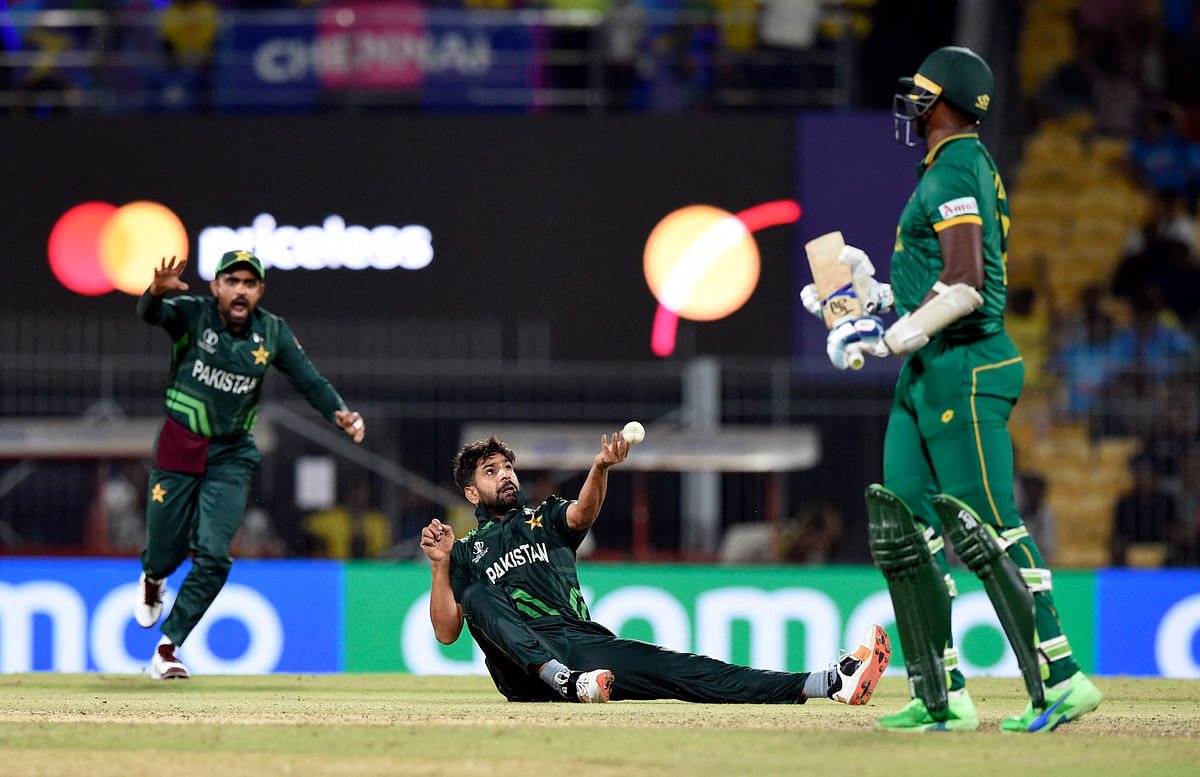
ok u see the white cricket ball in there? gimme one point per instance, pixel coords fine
(633, 432)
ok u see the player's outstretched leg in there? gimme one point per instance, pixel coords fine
(1069, 700)
(858, 673)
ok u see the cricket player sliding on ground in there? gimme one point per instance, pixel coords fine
(948, 462)
(221, 347)
(513, 580)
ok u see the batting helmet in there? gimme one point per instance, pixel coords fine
(953, 73)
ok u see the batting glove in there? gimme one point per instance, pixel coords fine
(849, 340)
(811, 300)
(875, 297)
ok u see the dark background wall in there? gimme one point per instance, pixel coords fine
(542, 220)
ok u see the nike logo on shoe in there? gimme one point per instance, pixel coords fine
(1041, 720)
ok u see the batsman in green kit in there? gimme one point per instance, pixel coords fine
(948, 461)
(513, 581)
(221, 347)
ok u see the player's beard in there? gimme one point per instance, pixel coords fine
(237, 319)
(502, 502)
(920, 124)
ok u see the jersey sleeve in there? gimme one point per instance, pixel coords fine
(460, 573)
(950, 195)
(293, 362)
(554, 513)
(167, 313)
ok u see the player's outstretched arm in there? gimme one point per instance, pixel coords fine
(582, 513)
(437, 540)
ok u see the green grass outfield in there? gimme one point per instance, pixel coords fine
(130, 726)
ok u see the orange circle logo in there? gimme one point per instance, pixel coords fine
(702, 264)
(95, 247)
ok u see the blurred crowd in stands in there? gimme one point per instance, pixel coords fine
(653, 56)
(1119, 354)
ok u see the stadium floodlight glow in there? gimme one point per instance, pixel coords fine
(329, 246)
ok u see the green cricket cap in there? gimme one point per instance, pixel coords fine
(231, 260)
(958, 75)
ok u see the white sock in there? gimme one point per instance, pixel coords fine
(819, 684)
(554, 674)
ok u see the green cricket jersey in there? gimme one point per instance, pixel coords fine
(215, 376)
(958, 184)
(528, 553)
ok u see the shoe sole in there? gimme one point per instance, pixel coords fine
(881, 649)
(944, 727)
(170, 674)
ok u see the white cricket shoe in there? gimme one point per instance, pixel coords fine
(594, 687)
(149, 601)
(165, 664)
(858, 673)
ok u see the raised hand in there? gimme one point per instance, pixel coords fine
(167, 277)
(437, 540)
(811, 300)
(351, 423)
(611, 452)
(875, 297)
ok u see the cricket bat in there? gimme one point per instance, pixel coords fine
(834, 282)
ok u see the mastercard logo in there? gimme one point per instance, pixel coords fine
(96, 247)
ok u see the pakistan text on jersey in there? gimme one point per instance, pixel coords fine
(518, 557)
(221, 380)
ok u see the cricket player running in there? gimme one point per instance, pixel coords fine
(948, 463)
(513, 580)
(204, 454)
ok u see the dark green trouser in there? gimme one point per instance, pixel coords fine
(515, 648)
(197, 514)
(948, 433)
